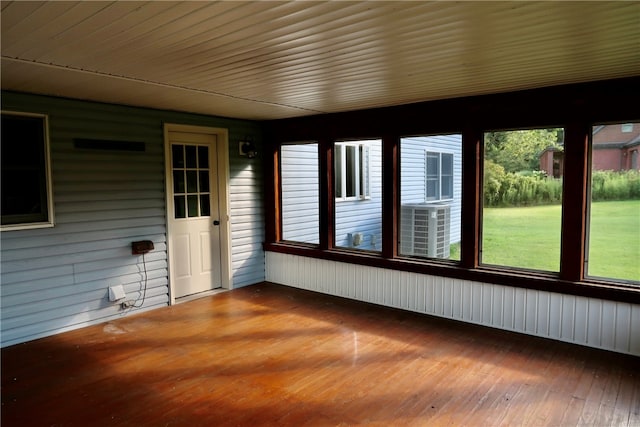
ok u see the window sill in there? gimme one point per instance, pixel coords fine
(353, 199)
(32, 226)
(541, 281)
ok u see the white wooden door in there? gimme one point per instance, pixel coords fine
(193, 213)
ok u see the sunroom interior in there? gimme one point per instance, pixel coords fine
(370, 161)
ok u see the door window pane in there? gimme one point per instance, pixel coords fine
(430, 196)
(613, 249)
(204, 181)
(203, 157)
(178, 181)
(190, 155)
(522, 196)
(300, 192)
(177, 154)
(192, 204)
(191, 177)
(179, 207)
(205, 208)
(192, 182)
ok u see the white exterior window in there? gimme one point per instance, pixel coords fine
(352, 171)
(438, 176)
(27, 200)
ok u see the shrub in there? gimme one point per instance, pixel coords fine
(529, 188)
(610, 185)
(493, 177)
(519, 189)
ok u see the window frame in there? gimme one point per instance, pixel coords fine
(361, 175)
(440, 154)
(589, 202)
(483, 159)
(48, 190)
(574, 107)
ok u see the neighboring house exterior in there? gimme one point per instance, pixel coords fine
(358, 194)
(614, 148)
(552, 162)
(425, 175)
(57, 278)
(300, 193)
(431, 173)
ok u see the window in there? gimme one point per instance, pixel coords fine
(191, 180)
(627, 127)
(527, 218)
(358, 186)
(430, 175)
(613, 249)
(438, 176)
(352, 172)
(26, 182)
(300, 192)
(522, 211)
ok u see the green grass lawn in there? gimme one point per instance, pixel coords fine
(529, 237)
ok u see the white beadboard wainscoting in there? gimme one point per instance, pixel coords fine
(591, 322)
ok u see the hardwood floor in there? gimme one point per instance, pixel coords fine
(272, 355)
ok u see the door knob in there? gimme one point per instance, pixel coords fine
(216, 222)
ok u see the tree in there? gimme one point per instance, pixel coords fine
(520, 150)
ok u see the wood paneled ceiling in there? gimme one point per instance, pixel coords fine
(268, 60)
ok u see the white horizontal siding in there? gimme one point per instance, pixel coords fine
(300, 183)
(57, 279)
(412, 172)
(591, 322)
(300, 193)
(246, 206)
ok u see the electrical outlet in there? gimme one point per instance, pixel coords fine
(126, 304)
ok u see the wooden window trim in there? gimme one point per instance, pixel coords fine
(574, 107)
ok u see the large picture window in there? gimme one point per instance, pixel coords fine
(358, 188)
(431, 196)
(613, 250)
(501, 189)
(522, 199)
(26, 183)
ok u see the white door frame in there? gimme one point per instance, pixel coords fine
(222, 148)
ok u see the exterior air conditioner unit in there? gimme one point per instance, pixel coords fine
(425, 229)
